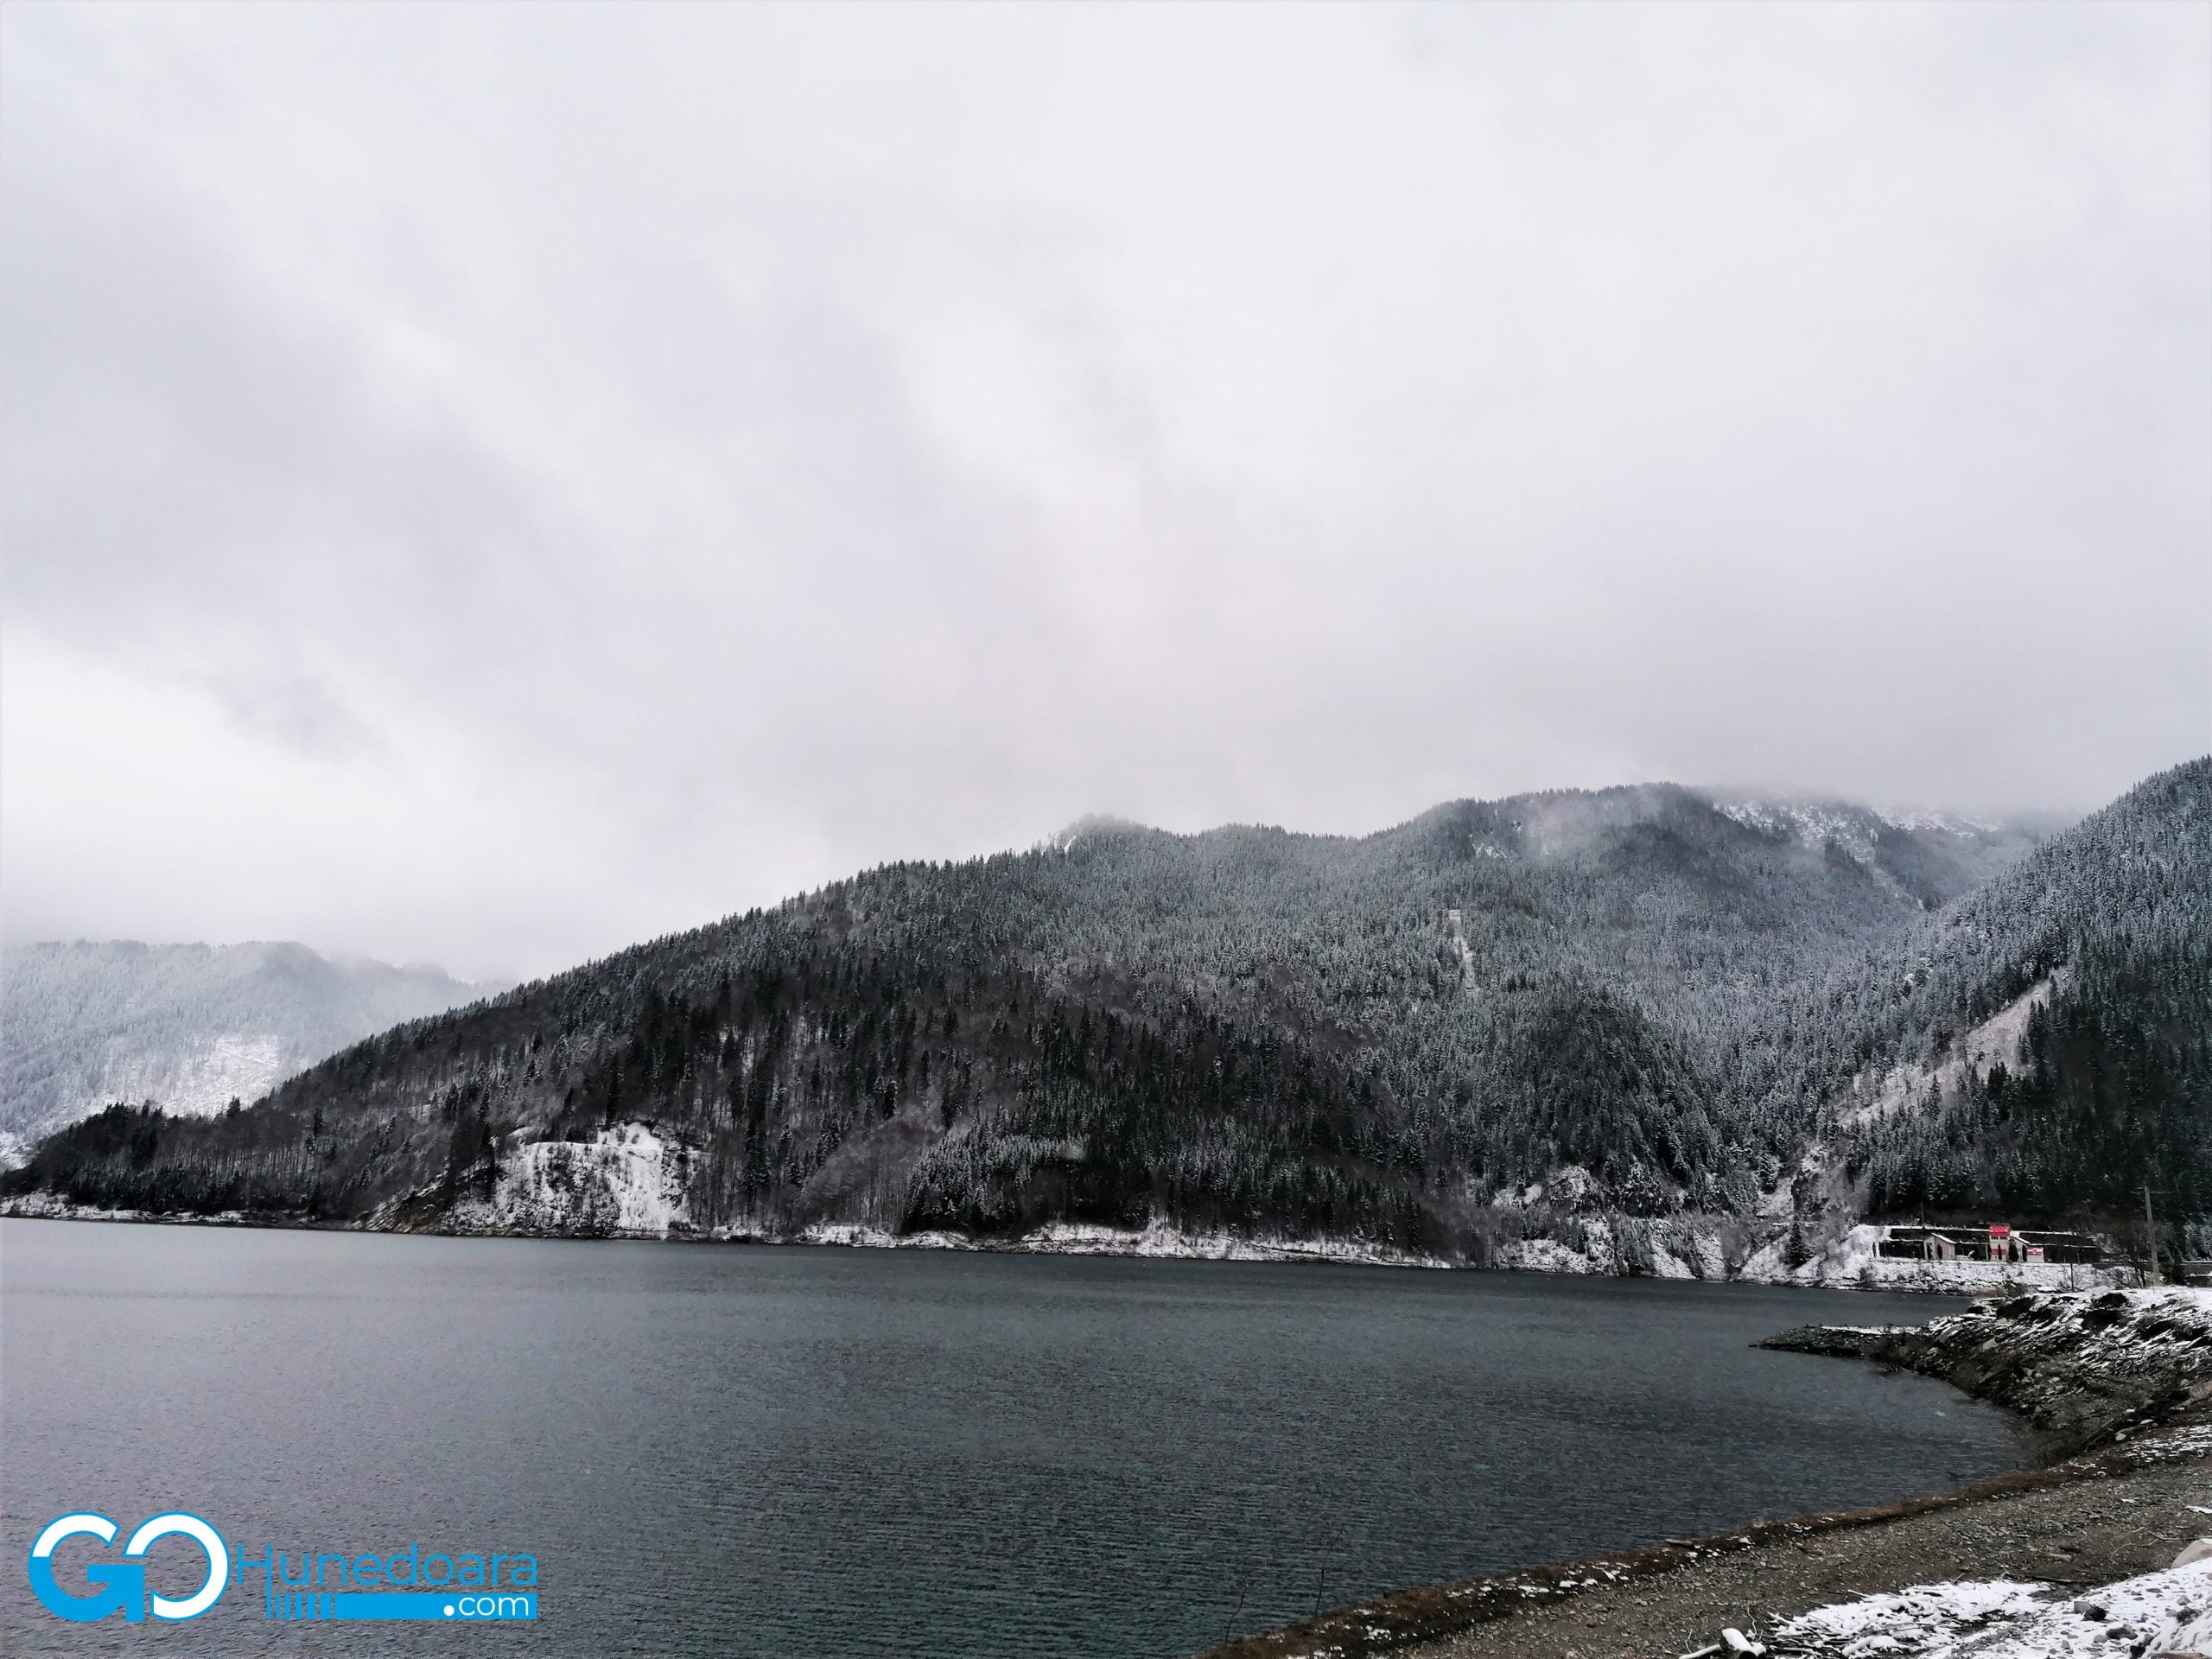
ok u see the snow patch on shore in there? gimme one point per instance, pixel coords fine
(1076, 1238)
(1069, 1238)
(1691, 1247)
(50, 1206)
(2159, 1613)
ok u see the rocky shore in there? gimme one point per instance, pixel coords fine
(2082, 1369)
(2118, 1383)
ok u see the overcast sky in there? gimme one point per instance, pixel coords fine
(488, 485)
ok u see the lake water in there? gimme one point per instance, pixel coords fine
(794, 1452)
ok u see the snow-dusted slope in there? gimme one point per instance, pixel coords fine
(193, 1027)
(1997, 1040)
(1929, 857)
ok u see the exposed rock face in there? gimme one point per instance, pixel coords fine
(2084, 1369)
(623, 1183)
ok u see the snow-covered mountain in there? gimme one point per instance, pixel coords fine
(1602, 995)
(1649, 1026)
(192, 1027)
(1929, 857)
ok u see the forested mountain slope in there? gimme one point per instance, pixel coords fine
(190, 1026)
(2102, 940)
(1646, 1001)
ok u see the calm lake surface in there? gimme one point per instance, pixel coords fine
(794, 1453)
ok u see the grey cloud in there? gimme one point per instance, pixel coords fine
(295, 711)
(600, 467)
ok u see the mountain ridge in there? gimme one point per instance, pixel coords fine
(1629, 999)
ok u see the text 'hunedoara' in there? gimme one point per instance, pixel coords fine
(309, 1569)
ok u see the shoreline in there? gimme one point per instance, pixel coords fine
(2119, 1383)
(1849, 1270)
(1676, 1598)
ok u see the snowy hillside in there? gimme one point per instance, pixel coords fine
(1644, 1029)
(192, 1027)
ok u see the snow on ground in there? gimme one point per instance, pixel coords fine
(857, 1237)
(46, 1206)
(1690, 1247)
(1853, 1260)
(1068, 1238)
(1996, 1041)
(1455, 924)
(2168, 1612)
(1072, 1239)
(1911, 1620)
(1681, 1248)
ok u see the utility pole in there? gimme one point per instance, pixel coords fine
(2150, 1231)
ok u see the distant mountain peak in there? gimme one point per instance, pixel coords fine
(190, 1026)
